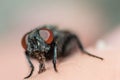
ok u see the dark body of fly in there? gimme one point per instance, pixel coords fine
(47, 42)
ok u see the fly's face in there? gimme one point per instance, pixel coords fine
(38, 40)
(35, 43)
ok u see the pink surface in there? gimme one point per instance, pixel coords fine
(14, 65)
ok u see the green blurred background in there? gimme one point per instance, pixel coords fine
(91, 17)
(11, 10)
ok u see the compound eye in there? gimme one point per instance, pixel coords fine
(46, 35)
(24, 40)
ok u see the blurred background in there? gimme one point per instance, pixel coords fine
(89, 19)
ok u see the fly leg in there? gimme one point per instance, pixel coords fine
(55, 57)
(31, 65)
(82, 48)
(74, 37)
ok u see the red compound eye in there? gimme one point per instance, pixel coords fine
(23, 41)
(47, 35)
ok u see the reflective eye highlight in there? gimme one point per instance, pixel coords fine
(47, 35)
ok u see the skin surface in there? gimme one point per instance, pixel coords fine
(75, 67)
